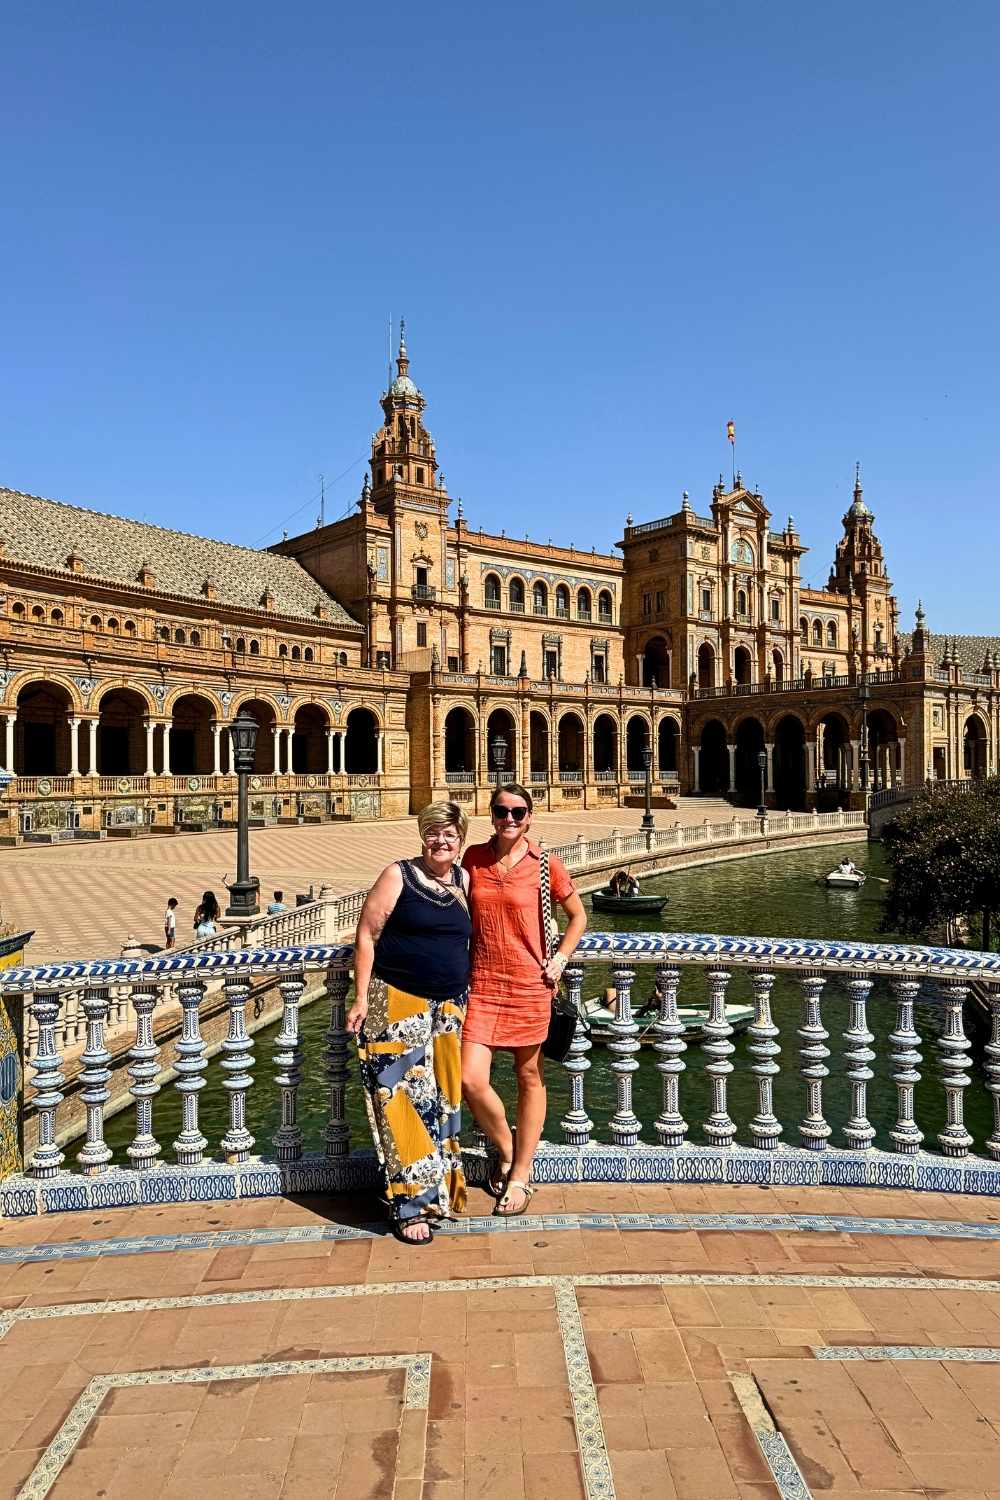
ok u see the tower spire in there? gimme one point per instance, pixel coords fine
(857, 480)
(402, 358)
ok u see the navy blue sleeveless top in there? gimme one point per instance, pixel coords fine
(424, 946)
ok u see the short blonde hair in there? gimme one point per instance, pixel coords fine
(443, 815)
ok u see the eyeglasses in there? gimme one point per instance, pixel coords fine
(501, 814)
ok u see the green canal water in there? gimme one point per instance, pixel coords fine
(778, 895)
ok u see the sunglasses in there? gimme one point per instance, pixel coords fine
(503, 813)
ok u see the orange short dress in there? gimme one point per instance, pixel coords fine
(509, 1001)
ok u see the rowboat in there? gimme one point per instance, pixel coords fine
(627, 906)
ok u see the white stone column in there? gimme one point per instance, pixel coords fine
(150, 729)
(811, 765)
(329, 751)
(74, 747)
(853, 768)
(167, 769)
(379, 743)
(902, 761)
(732, 767)
(343, 749)
(696, 756)
(769, 777)
(216, 728)
(92, 725)
(288, 749)
(8, 742)
(276, 741)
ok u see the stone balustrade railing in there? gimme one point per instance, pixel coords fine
(927, 1145)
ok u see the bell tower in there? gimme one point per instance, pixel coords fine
(859, 572)
(404, 461)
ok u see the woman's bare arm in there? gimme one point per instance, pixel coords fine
(575, 928)
(374, 914)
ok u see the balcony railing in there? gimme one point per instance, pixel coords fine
(516, 606)
(576, 776)
(604, 616)
(460, 778)
(424, 591)
(540, 609)
(843, 987)
(584, 614)
(562, 612)
(490, 603)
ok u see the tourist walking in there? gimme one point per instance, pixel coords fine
(511, 986)
(170, 923)
(411, 975)
(207, 915)
(277, 905)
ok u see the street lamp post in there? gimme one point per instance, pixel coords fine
(243, 892)
(864, 693)
(498, 750)
(762, 768)
(647, 817)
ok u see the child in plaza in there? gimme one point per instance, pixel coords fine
(170, 923)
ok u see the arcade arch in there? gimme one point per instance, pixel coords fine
(790, 763)
(538, 746)
(713, 760)
(459, 742)
(706, 665)
(636, 740)
(656, 663)
(749, 747)
(975, 754)
(605, 747)
(742, 665)
(571, 743)
(361, 743)
(667, 742)
(309, 740)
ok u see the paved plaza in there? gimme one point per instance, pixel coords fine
(84, 899)
(610, 1345)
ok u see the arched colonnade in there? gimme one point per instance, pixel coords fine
(122, 732)
(557, 747)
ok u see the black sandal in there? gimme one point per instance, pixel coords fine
(397, 1228)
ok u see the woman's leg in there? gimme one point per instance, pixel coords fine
(482, 1098)
(446, 1045)
(531, 1104)
(401, 1110)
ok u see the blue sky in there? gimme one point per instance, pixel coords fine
(610, 230)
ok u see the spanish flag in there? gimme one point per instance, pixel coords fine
(731, 432)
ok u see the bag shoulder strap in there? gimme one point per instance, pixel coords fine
(546, 893)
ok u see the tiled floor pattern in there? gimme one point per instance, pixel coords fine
(576, 1363)
(83, 900)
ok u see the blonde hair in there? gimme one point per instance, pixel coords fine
(442, 815)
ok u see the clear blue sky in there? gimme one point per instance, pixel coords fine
(610, 230)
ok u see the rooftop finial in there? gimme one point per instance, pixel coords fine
(857, 479)
(685, 500)
(402, 358)
(921, 617)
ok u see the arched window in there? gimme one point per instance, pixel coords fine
(38, 613)
(295, 653)
(17, 610)
(804, 630)
(282, 649)
(129, 626)
(562, 602)
(491, 588)
(95, 622)
(179, 638)
(540, 599)
(195, 638)
(741, 602)
(307, 654)
(57, 617)
(604, 607)
(831, 634)
(241, 644)
(343, 659)
(817, 632)
(113, 624)
(515, 596)
(255, 648)
(583, 604)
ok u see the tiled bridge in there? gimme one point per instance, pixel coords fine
(740, 1318)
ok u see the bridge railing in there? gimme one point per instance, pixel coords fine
(834, 980)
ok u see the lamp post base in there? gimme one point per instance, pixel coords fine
(647, 822)
(243, 900)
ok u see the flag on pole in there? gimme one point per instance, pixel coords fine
(731, 432)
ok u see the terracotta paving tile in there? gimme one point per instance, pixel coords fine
(701, 1473)
(643, 1475)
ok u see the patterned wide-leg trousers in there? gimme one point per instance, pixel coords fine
(410, 1054)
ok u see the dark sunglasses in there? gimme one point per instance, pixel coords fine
(503, 813)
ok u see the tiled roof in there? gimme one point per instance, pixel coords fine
(970, 649)
(44, 533)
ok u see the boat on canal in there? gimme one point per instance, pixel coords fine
(846, 877)
(600, 1016)
(627, 906)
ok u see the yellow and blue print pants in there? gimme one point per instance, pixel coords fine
(410, 1055)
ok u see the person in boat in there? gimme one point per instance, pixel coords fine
(848, 867)
(623, 885)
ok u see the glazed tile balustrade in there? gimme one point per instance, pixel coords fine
(834, 1037)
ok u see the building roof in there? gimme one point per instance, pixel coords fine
(969, 649)
(45, 533)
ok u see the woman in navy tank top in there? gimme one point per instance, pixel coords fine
(411, 979)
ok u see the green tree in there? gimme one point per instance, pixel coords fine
(944, 859)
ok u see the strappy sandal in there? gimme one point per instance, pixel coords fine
(500, 1170)
(504, 1212)
(397, 1228)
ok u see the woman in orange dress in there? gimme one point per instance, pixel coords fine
(511, 985)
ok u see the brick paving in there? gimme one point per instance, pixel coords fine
(341, 1328)
(83, 900)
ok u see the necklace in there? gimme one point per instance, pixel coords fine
(450, 889)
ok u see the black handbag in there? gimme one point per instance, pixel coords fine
(562, 1017)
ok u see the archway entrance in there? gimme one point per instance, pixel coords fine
(501, 723)
(974, 756)
(656, 663)
(309, 753)
(636, 740)
(667, 738)
(121, 734)
(459, 743)
(706, 666)
(361, 743)
(538, 735)
(571, 746)
(742, 665)
(883, 749)
(790, 763)
(749, 748)
(191, 736)
(778, 667)
(605, 748)
(713, 760)
(833, 753)
(41, 730)
(263, 758)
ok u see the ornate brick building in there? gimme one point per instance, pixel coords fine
(399, 655)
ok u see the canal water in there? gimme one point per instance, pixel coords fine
(777, 895)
